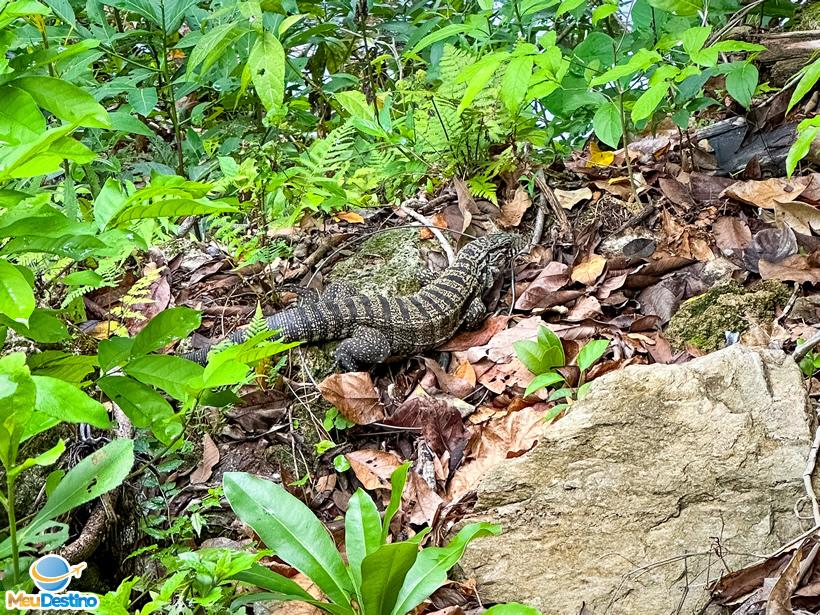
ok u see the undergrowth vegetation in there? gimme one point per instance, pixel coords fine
(124, 121)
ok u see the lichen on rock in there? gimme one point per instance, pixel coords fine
(703, 321)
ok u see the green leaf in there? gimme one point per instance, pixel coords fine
(430, 570)
(641, 60)
(145, 407)
(17, 397)
(66, 403)
(16, 295)
(290, 529)
(742, 82)
(602, 12)
(607, 124)
(100, 472)
(383, 574)
(166, 372)
(567, 6)
(172, 208)
(590, 353)
(167, 326)
(114, 352)
(649, 101)
(541, 381)
(45, 458)
(355, 104)
(143, 100)
(684, 8)
(693, 39)
(441, 34)
(801, 147)
(397, 482)
(123, 121)
(68, 102)
(63, 10)
(267, 64)
(512, 608)
(363, 530)
(477, 76)
(43, 327)
(515, 82)
(809, 79)
(20, 117)
(212, 45)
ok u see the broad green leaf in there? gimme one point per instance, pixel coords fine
(154, 10)
(66, 403)
(123, 121)
(68, 102)
(66, 366)
(143, 100)
(109, 201)
(640, 61)
(809, 79)
(20, 117)
(607, 124)
(430, 570)
(267, 64)
(76, 247)
(290, 530)
(289, 21)
(63, 10)
(602, 12)
(86, 277)
(43, 326)
(167, 326)
(568, 5)
(17, 398)
(801, 147)
(100, 472)
(45, 458)
(16, 295)
(515, 82)
(590, 353)
(742, 82)
(355, 104)
(363, 530)
(16, 161)
(649, 101)
(684, 8)
(166, 372)
(477, 76)
(140, 403)
(440, 35)
(397, 482)
(172, 208)
(212, 45)
(114, 352)
(265, 578)
(383, 574)
(693, 39)
(543, 380)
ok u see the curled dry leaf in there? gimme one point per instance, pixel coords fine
(421, 502)
(373, 468)
(771, 245)
(210, 457)
(553, 277)
(354, 395)
(570, 198)
(800, 217)
(797, 268)
(470, 339)
(588, 270)
(767, 193)
(513, 210)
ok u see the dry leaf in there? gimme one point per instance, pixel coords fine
(513, 210)
(570, 198)
(731, 233)
(210, 457)
(797, 268)
(598, 157)
(438, 220)
(470, 339)
(350, 216)
(772, 245)
(587, 271)
(354, 395)
(103, 329)
(767, 193)
(551, 278)
(800, 217)
(373, 468)
(422, 503)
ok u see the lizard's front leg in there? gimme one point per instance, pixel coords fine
(365, 347)
(475, 314)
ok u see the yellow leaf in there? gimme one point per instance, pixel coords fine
(350, 216)
(106, 328)
(598, 157)
(587, 271)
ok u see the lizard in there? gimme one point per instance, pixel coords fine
(373, 328)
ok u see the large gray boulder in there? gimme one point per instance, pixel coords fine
(634, 501)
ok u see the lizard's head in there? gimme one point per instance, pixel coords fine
(497, 250)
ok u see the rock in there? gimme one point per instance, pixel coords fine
(656, 463)
(703, 321)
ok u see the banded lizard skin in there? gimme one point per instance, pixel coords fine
(374, 328)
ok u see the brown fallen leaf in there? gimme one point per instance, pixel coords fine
(797, 268)
(210, 457)
(373, 468)
(513, 210)
(767, 193)
(570, 198)
(588, 270)
(354, 395)
(800, 217)
(731, 233)
(421, 502)
(451, 383)
(350, 217)
(772, 245)
(438, 220)
(552, 278)
(780, 599)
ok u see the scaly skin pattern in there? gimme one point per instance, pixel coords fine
(373, 327)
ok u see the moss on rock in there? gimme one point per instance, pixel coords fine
(702, 321)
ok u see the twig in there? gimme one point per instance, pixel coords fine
(803, 349)
(549, 197)
(445, 245)
(807, 474)
(540, 218)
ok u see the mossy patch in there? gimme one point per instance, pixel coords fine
(387, 263)
(703, 321)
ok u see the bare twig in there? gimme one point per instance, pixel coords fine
(445, 245)
(552, 201)
(807, 475)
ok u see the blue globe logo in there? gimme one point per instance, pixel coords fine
(52, 573)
